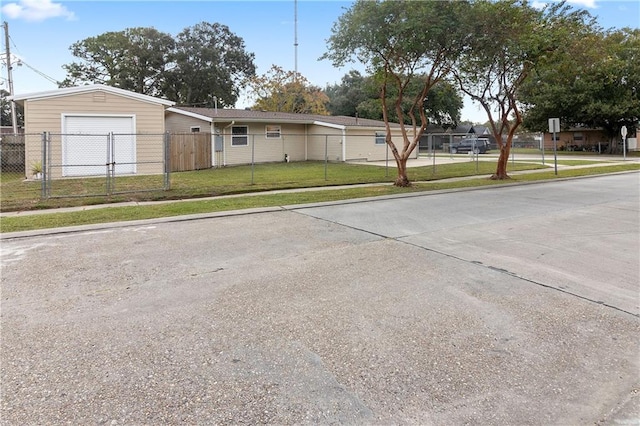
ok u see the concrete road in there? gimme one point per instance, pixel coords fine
(513, 305)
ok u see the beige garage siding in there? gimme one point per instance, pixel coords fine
(47, 115)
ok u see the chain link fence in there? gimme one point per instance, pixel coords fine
(40, 167)
(83, 165)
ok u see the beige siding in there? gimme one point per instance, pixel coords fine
(324, 140)
(46, 115)
(261, 149)
(361, 144)
(180, 123)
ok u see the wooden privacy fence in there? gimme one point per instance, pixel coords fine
(189, 151)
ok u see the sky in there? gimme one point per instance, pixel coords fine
(42, 31)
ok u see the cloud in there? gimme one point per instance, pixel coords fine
(36, 10)
(589, 4)
(538, 4)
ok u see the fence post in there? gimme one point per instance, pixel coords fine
(167, 160)
(43, 161)
(326, 155)
(253, 137)
(109, 164)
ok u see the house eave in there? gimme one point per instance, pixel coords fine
(190, 114)
(50, 94)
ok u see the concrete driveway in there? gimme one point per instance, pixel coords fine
(513, 305)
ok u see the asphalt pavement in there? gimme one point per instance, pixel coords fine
(512, 305)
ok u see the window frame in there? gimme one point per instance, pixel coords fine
(236, 136)
(378, 135)
(270, 129)
(194, 129)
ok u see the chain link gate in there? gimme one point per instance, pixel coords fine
(72, 165)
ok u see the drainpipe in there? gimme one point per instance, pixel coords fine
(224, 151)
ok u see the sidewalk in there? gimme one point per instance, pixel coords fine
(418, 162)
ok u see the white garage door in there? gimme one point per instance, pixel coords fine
(87, 148)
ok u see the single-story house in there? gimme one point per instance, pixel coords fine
(243, 136)
(585, 139)
(79, 120)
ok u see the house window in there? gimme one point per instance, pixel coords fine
(272, 131)
(239, 136)
(577, 136)
(381, 138)
(195, 129)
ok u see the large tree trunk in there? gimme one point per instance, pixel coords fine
(402, 180)
(501, 169)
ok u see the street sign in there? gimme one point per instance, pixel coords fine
(623, 131)
(554, 127)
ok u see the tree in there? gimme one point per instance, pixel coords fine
(135, 59)
(206, 63)
(360, 95)
(5, 111)
(287, 91)
(509, 38)
(211, 65)
(344, 98)
(593, 82)
(400, 41)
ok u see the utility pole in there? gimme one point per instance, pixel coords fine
(14, 120)
(295, 37)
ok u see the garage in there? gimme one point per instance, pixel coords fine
(79, 121)
(90, 142)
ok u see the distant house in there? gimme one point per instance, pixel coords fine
(585, 139)
(243, 136)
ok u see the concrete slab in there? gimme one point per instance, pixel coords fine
(329, 315)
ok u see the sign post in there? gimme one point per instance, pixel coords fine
(554, 127)
(623, 132)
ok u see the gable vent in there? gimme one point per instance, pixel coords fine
(99, 97)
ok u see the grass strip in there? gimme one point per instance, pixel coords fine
(220, 204)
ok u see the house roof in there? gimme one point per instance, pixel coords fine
(87, 89)
(248, 115)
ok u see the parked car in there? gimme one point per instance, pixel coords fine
(478, 146)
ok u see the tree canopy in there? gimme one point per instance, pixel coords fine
(359, 95)
(203, 62)
(508, 39)
(400, 41)
(287, 91)
(593, 82)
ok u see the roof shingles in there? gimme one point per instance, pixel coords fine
(285, 117)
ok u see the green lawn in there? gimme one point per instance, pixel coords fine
(19, 195)
(128, 213)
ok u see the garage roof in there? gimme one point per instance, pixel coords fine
(87, 89)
